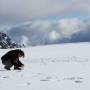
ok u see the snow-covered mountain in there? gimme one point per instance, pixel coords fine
(54, 67)
(6, 42)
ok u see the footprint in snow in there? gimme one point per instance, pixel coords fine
(28, 83)
(46, 79)
(5, 77)
(75, 79)
(78, 81)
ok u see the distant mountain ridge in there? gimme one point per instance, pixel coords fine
(6, 42)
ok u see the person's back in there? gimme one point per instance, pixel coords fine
(13, 54)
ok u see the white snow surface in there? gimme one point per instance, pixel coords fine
(54, 67)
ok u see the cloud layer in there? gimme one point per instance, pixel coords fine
(21, 10)
(42, 32)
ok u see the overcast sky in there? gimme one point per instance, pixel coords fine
(23, 10)
(46, 21)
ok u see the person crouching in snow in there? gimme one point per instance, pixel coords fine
(11, 58)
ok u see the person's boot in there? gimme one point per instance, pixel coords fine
(17, 68)
(6, 68)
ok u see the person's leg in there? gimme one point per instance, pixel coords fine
(7, 64)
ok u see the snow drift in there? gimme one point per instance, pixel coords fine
(54, 67)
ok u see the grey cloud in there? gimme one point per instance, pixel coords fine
(42, 32)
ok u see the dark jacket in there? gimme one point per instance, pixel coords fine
(12, 56)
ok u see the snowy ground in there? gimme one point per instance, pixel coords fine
(56, 67)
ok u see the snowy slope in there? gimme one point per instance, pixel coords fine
(55, 67)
